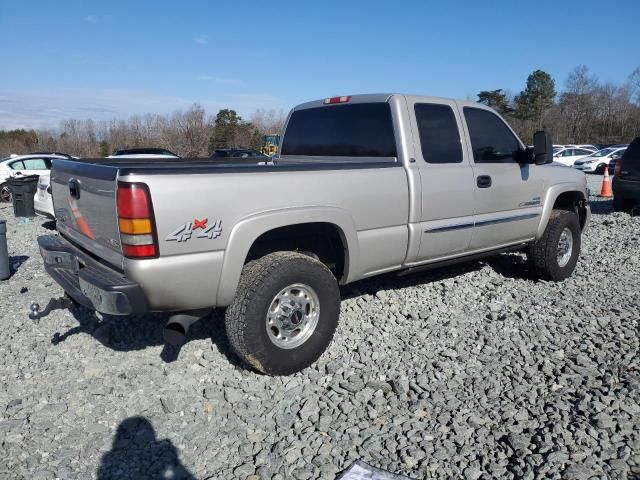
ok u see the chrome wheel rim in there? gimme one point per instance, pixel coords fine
(5, 194)
(565, 247)
(293, 316)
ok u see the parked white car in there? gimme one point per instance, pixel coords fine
(568, 155)
(588, 147)
(598, 161)
(42, 200)
(22, 165)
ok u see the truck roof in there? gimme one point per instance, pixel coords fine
(377, 97)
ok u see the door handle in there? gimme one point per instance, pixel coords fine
(484, 181)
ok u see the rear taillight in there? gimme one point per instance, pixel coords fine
(618, 167)
(135, 221)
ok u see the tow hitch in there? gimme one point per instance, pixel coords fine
(60, 303)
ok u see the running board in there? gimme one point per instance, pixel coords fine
(462, 259)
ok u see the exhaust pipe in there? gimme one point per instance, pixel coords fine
(176, 329)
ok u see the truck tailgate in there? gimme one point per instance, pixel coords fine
(84, 201)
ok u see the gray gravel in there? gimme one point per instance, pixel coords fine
(471, 372)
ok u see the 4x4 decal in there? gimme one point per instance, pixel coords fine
(185, 231)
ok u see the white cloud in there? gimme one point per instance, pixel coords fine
(223, 80)
(201, 39)
(45, 108)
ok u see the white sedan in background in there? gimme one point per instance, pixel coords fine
(598, 161)
(23, 165)
(568, 155)
(42, 201)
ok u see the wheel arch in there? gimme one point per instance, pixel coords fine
(250, 230)
(563, 197)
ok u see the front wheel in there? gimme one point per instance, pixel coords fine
(284, 313)
(555, 254)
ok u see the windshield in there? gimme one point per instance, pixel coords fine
(602, 153)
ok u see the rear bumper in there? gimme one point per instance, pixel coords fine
(625, 188)
(88, 282)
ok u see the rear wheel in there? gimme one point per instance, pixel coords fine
(5, 193)
(555, 254)
(284, 313)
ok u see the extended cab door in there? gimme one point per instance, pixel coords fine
(446, 178)
(508, 195)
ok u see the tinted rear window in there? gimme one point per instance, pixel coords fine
(439, 134)
(356, 130)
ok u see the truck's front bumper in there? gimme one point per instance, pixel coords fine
(89, 282)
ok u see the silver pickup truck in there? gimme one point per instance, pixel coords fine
(363, 185)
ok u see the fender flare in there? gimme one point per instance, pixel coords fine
(552, 195)
(246, 231)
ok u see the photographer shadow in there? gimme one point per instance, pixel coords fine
(136, 452)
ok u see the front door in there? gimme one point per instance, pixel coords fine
(446, 179)
(508, 195)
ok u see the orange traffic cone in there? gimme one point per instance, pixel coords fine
(606, 184)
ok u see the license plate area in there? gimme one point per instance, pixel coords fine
(64, 260)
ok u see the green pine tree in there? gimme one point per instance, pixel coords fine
(534, 101)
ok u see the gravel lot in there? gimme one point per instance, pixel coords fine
(470, 372)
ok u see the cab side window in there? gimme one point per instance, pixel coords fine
(17, 165)
(491, 139)
(35, 164)
(439, 134)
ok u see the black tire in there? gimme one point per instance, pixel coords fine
(543, 254)
(620, 204)
(5, 193)
(246, 317)
(600, 169)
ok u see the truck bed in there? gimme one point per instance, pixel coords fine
(129, 166)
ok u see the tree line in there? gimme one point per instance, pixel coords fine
(190, 133)
(584, 111)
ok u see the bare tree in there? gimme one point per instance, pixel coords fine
(268, 121)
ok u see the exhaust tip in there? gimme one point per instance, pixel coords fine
(174, 334)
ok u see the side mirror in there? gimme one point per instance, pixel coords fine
(615, 156)
(542, 148)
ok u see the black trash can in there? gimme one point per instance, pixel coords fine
(23, 189)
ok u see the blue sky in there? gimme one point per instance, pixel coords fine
(101, 60)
